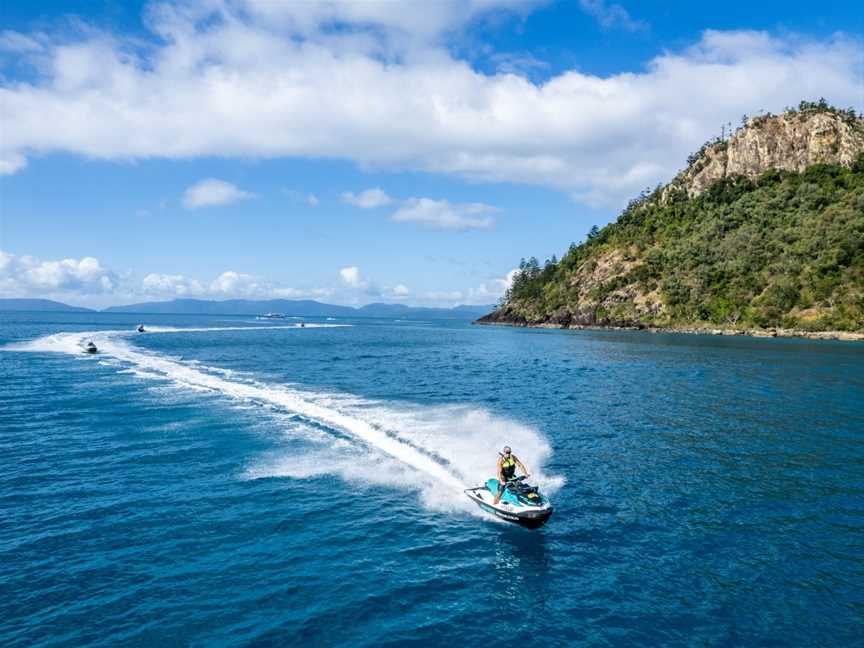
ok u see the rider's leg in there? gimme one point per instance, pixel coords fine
(499, 493)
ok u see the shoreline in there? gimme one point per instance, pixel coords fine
(846, 336)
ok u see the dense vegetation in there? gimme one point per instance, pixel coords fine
(786, 250)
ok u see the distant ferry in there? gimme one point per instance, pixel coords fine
(272, 316)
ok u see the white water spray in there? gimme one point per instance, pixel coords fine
(447, 445)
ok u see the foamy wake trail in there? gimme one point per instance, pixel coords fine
(407, 446)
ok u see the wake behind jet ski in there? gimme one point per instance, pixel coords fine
(90, 347)
(519, 503)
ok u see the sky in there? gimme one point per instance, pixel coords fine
(355, 152)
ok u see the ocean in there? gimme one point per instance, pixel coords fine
(229, 481)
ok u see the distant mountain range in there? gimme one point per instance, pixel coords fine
(297, 308)
(39, 305)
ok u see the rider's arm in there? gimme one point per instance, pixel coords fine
(500, 471)
(521, 465)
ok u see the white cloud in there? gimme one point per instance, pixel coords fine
(398, 293)
(235, 283)
(261, 79)
(445, 297)
(212, 192)
(11, 162)
(441, 214)
(400, 24)
(300, 293)
(509, 277)
(358, 288)
(611, 15)
(436, 214)
(16, 42)
(88, 279)
(487, 292)
(520, 64)
(490, 291)
(174, 285)
(351, 276)
(229, 284)
(368, 199)
(26, 275)
(297, 196)
(246, 286)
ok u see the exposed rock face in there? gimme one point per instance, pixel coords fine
(587, 304)
(791, 142)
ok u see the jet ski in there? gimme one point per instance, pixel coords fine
(520, 503)
(90, 347)
(140, 328)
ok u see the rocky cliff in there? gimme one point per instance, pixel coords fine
(765, 229)
(792, 141)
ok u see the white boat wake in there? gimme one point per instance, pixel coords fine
(402, 445)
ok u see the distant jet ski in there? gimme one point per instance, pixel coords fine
(520, 503)
(140, 328)
(90, 347)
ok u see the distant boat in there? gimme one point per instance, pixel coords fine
(272, 316)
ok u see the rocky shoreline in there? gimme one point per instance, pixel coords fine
(849, 336)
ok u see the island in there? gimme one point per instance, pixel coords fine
(761, 234)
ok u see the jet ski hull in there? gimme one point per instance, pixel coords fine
(531, 517)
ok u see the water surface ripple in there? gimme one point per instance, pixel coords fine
(217, 481)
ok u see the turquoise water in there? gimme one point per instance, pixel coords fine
(227, 481)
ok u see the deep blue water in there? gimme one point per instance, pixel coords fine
(300, 486)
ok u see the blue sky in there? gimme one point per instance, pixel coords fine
(358, 152)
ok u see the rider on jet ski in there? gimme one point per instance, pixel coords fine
(507, 463)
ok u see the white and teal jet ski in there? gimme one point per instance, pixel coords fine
(520, 503)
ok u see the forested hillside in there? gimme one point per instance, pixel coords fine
(775, 249)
